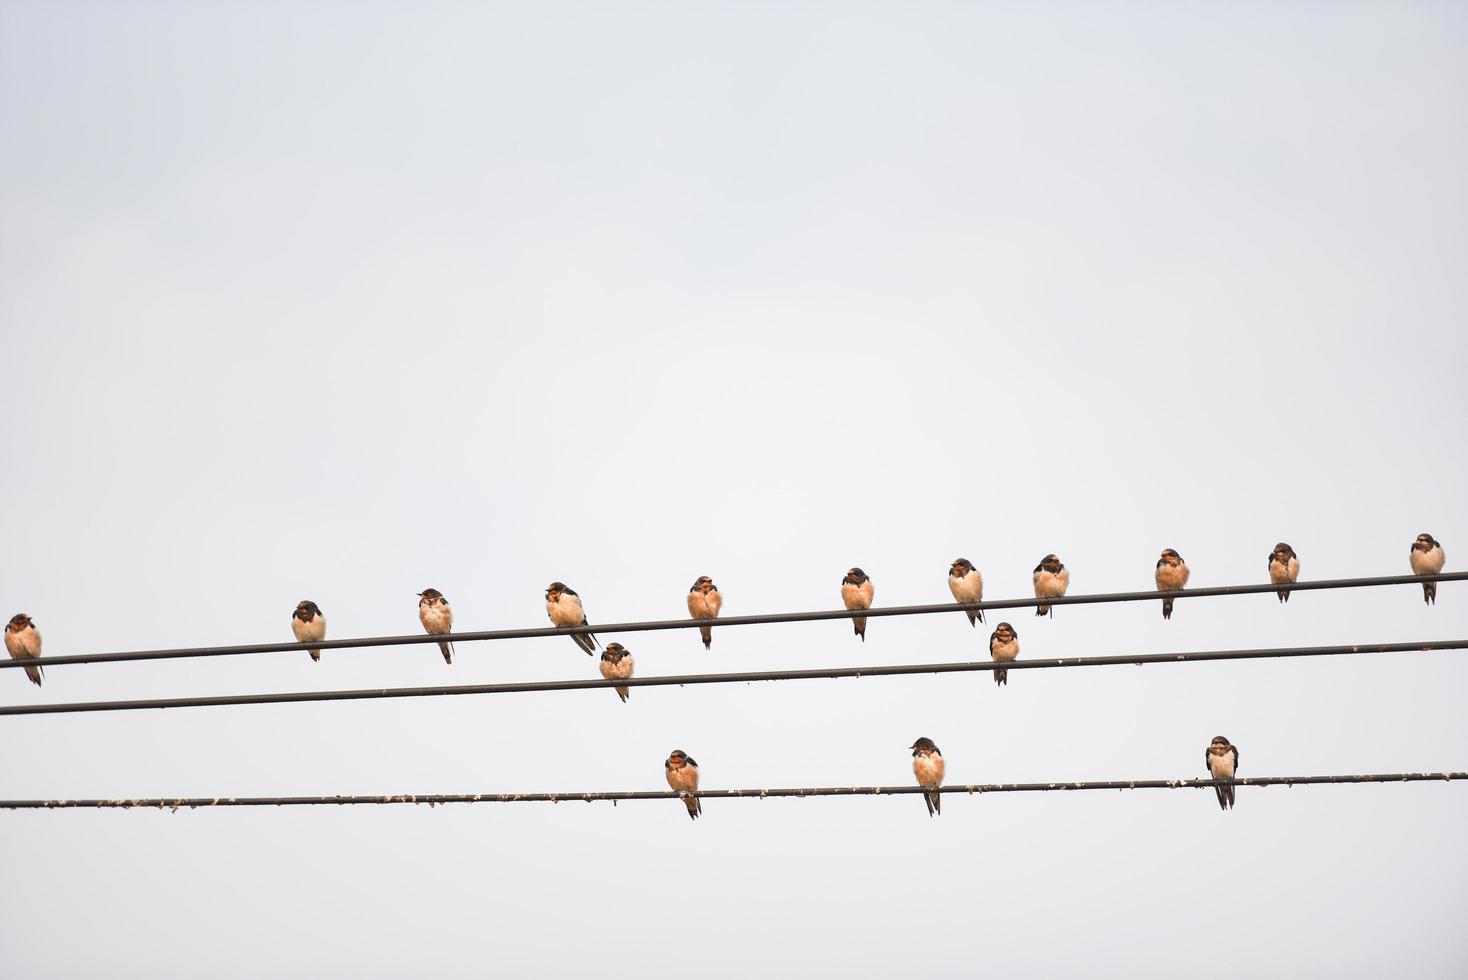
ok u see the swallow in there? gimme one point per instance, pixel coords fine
(1428, 558)
(704, 602)
(682, 773)
(927, 766)
(1172, 575)
(1222, 761)
(563, 606)
(1284, 566)
(1003, 647)
(616, 665)
(309, 625)
(856, 593)
(1051, 581)
(437, 618)
(967, 585)
(23, 642)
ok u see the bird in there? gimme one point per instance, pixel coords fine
(704, 602)
(1172, 575)
(1051, 580)
(309, 625)
(1003, 647)
(437, 618)
(1222, 761)
(856, 593)
(563, 606)
(967, 585)
(616, 665)
(682, 773)
(927, 766)
(23, 642)
(1284, 566)
(1428, 558)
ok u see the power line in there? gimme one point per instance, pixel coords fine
(526, 687)
(435, 799)
(757, 620)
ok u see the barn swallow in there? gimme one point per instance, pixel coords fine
(927, 766)
(1428, 558)
(1172, 575)
(616, 665)
(682, 773)
(856, 593)
(1004, 647)
(23, 641)
(704, 602)
(967, 585)
(309, 625)
(437, 618)
(563, 606)
(1222, 761)
(1284, 566)
(1051, 580)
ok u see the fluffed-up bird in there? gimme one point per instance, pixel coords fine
(437, 619)
(856, 593)
(967, 585)
(682, 773)
(1172, 575)
(1428, 558)
(1284, 568)
(616, 665)
(1003, 647)
(1051, 580)
(23, 642)
(1222, 760)
(309, 625)
(563, 606)
(704, 602)
(927, 766)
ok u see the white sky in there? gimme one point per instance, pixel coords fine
(341, 301)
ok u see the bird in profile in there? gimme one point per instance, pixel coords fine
(682, 773)
(1172, 575)
(1428, 558)
(1222, 760)
(927, 766)
(309, 625)
(1003, 647)
(563, 606)
(437, 619)
(856, 593)
(23, 642)
(1051, 580)
(616, 665)
(1284, 568)
(704, 602)
(967, 585)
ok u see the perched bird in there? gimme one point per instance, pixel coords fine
(1051, 581)
(856, 593)
(967, 585)
(1172, 574)
(1428, 558)
(23, 642)
(1284, 566)
(309, 625)
(927, 766)
(1222, 760)
(616, 665)
(563, 606)
(682, 773)
(704, 602)
(437, 618)
(1003, 647)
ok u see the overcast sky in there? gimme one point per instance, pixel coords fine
(341, 301)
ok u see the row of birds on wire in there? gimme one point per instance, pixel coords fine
(1051, 580)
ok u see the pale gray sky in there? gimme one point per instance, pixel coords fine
(340, 301)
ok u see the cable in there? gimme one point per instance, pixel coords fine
(434, 799)
(759, 620)
(525, 687)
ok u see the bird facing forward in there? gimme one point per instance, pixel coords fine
(23, 642)
(616, 665)
(682, 773)
(856, 593)
(1428, 558)
(1222, 761)
(704, 602)
(1284, 568)
(437, 619)
(1003, 647)
(1172, 575)
(1051, 580)
(927, 766)
(967, 585)
(563, 606)
(309, 625)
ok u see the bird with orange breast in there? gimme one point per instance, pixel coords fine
(1051, 579)
(23, 642)
(682, 773)
(1172, 575)
(704, 602)
(1428, 558)
(927, 766)
(1003, 648)
(856, 593)
(437, 619)
(967, 585)
(616, 665)
(309, 625)
(1284, 568)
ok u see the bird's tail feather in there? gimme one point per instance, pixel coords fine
(695, 807)
(707, 633)
(1001, 677)
(447, 649)
(860, 625)
(622, 693)
(315, 655)
(1284, 595)
(1166, 608)
(35, 674)
(935, 804)
(1429, 592)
